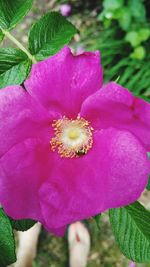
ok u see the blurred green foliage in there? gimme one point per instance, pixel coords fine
(122, 34)
(131, 18)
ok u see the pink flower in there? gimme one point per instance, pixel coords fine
(65, 10)
(68, 149)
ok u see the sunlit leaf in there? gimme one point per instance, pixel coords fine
(49, 35)
(12, 11)
(131, 227)
(14, 66)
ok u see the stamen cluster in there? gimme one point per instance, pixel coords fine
(72, 138)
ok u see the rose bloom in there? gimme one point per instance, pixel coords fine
(71, 147)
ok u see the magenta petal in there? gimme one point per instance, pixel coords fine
(56, 231)
(22, 171)
(63, 81)
(112, 174)
(115, 106)
(21, 117)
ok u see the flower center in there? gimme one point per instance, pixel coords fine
(73, 134)
(72, 138)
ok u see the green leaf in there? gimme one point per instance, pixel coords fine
(12, 11)
(7, 243)
(117, 79)
(144, 34)
(138, 53)
(14, 66)
(138, 10)
(148, 184)
(131, 227)
(22, 225)
(125, 18)
(97, 219)
(112, 5)
(49, 35)
(133, 38)
(1, 36)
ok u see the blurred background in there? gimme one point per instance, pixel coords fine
(120, 29)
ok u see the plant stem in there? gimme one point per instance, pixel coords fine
(17, 43)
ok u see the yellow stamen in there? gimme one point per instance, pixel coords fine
(71, 137)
